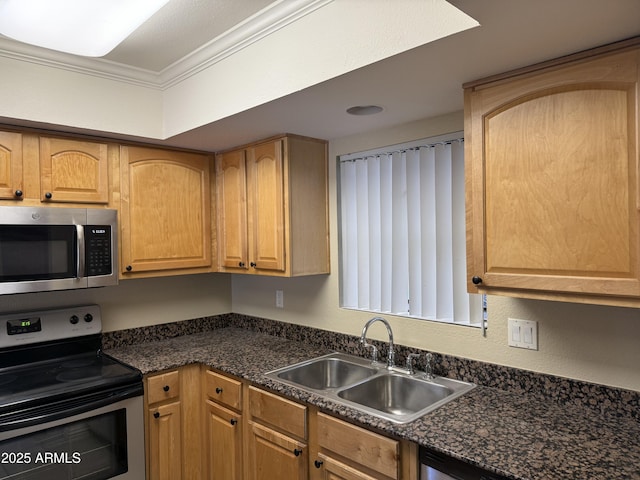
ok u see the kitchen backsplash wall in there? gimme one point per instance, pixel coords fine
(602, 399)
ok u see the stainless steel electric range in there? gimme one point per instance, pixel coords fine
(67, 411)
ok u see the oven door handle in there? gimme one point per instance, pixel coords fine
(59, 409)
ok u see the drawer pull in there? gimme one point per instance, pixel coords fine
(218, 390)
(165, 388)
(318, 463)
(233, 421)
(297, 452)
(156, 415)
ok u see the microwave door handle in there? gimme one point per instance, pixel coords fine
(80, 263)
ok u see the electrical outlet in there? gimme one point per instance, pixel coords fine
(279, 298)
(523, 333)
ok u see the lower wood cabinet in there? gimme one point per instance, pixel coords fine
(223, 427)
(173, 433)
(165, 441)
(277, 437)
(348, 452)
(333, 469)
(203, 424)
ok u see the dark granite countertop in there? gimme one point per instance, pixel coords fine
(509, 433)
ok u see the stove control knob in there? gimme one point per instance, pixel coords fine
(74, 319)
(88, 317)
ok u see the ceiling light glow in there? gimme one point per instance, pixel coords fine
(90, 28)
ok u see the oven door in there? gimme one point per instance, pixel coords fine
(103, 443)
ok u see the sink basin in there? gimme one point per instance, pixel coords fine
(402, 398)
(393, 395)
(326, 372)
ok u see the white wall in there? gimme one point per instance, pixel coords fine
(591, 343)
(53, 94)
(139, 302)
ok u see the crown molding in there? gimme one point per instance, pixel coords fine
(253, 29)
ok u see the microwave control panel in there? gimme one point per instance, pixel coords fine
(98, 250)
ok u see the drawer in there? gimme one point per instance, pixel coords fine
(223, 389)
(285, 415)
(163, 386)
(361, 446)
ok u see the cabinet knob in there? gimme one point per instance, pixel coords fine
(241, 264)
(218, 390)
(476, 280)
(233, 421)
(156, 415)
(297, 452)
(318, 463)
(165, 388)
(253, 264)
(18, 193)
(48, 195)
(129, 268)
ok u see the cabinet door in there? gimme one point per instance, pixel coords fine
(274, 455)
(332, 469)
(265, 180)
(231, 199)
(11, 166)
(165, 456)
(73, 171)
(552, 186)
(224, 454)
(361, 447)
(165, 214)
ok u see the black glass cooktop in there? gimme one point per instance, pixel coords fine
(64, 377)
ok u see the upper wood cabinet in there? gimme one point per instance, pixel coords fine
(38, 169)
(165, 212)
(73, 171)
(271, 200)
(11, 182)
(552, 179)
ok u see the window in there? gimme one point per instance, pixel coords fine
(402, 232)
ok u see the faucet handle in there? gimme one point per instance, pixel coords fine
(409, 364)
(428, 368)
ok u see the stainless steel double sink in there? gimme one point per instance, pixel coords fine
(391, 394)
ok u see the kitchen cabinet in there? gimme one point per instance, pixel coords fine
(165, 212)
(11, 182)
(277, 443)
(202, 423)
(272, 214)
(39, 169)
(551, 165)
(172, 424)
(164, 426)
(223, 427)
(74, 171)
(348, 452)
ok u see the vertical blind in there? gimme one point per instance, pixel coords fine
(403, 247)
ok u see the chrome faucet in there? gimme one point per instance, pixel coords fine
(363, 340)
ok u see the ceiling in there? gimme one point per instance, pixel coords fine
(420, 83)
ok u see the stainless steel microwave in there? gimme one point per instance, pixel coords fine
(47, 248)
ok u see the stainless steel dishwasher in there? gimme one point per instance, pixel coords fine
(437, 466)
